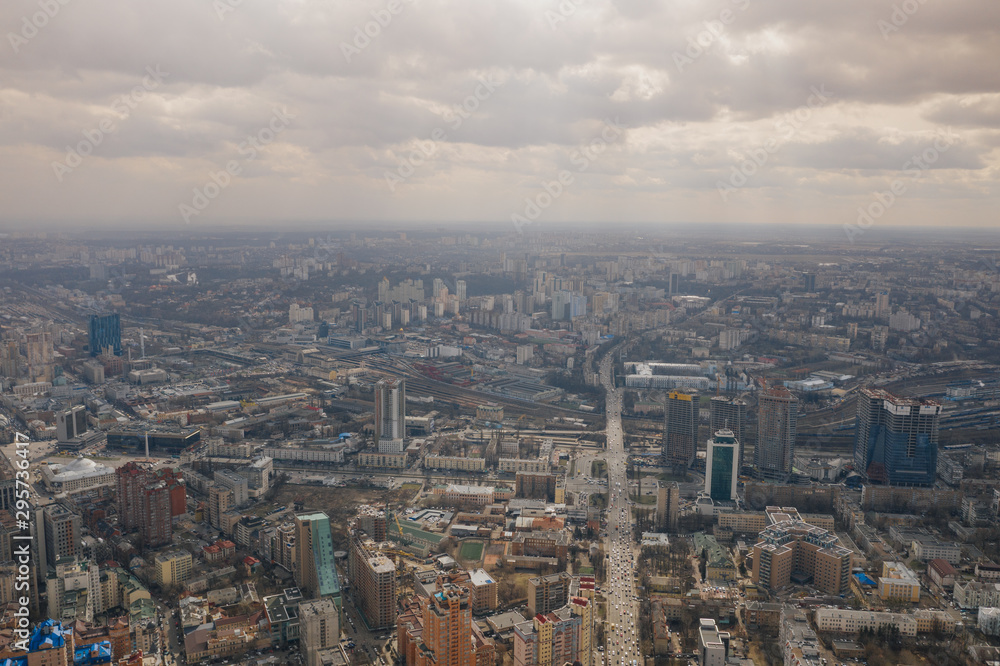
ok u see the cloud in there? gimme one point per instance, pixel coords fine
(566, 67)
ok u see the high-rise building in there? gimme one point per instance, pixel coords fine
(447, 637)
(808, 282)
(390, 415)
(236, 482)
(319, 628)
(680, 429)
(315, 568)
(38, 353)
(567, 305)
(71, 423)
(62, 534)
(777, 412)
(105, 332)
(144, 504)
(722, 466)
(562, 636)
(729, 414)
(896, 439)
(373, 579)
(461, 290)
(547, 593)
(220, 499)
(668, 500)
(882, 307)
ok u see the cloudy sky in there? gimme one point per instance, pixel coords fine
(221, 112)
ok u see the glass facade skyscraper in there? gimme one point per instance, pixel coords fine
(105, 332)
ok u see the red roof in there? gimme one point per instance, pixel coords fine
(943, 567)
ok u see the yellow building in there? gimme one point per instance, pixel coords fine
(898, 583)
(173, 567)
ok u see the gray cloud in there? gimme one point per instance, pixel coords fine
(562, 71)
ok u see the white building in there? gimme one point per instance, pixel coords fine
(988, 621)
(713, 645)
(525, 353)
(298, 314)
(73, 477)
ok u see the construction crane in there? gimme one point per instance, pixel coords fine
(402, 535)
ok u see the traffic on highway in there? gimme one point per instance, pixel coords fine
(622, 639)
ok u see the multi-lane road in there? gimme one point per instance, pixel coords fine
(622, 628)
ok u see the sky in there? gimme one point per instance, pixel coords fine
(202, 113)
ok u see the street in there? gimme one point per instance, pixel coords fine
(622, 638)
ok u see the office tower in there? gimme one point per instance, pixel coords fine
(461, 289)
(390, 415)
(105, 332)
(722, 466)
(315, 571)
(713, 645)
(447, 636)
(729, 414)
(220, 499)
(791, 548)
(896, 439)
(808, 282)
(71, 423)
(319, 628)
(373, 577)
(547, 593)
(675, 284)
(62, 534)
(777, 412)
(668, 501)
(680, 430)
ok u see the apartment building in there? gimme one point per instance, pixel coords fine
(373, 577)
(547, 593)
(792, 550)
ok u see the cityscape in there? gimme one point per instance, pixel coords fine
(499, 333)
(498, 449)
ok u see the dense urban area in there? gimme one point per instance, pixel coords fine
(498, 449)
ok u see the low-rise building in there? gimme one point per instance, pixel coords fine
(898, 583)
